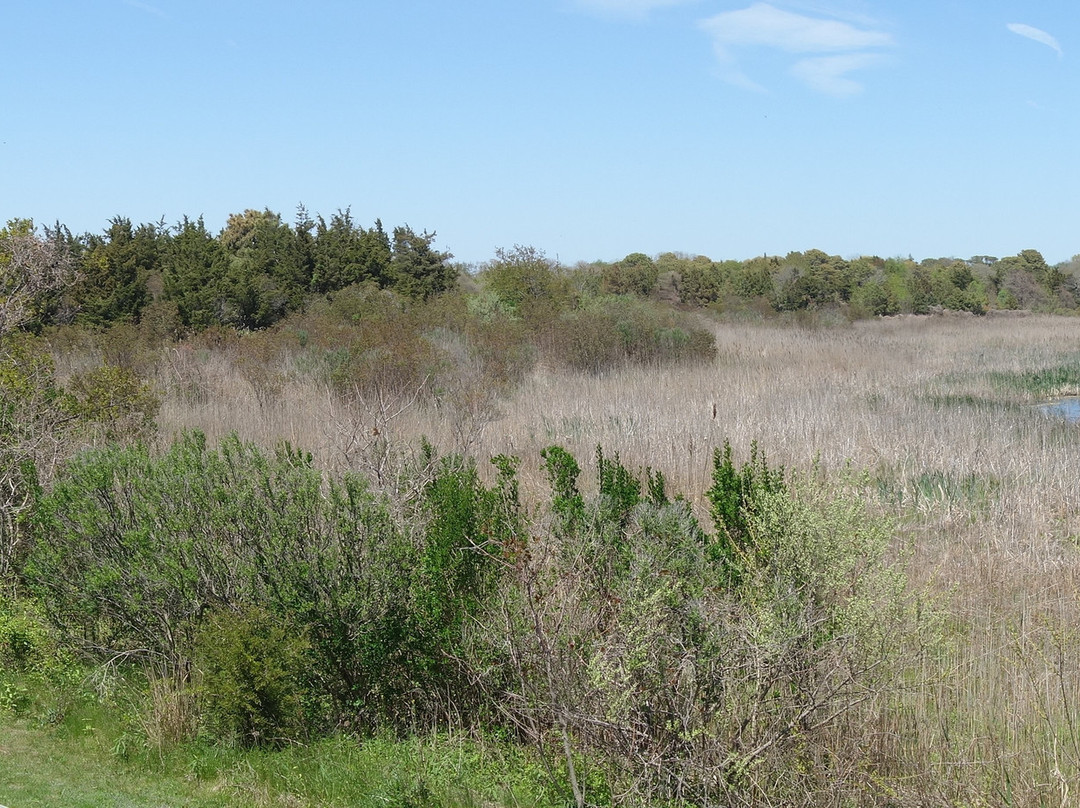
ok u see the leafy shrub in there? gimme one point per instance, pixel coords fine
(685, 662)
(26, 643)
(116, 399)
(734, 497)
(636, 274)
(133, 551)
(613, 330)
(526, 281)
(253, 668)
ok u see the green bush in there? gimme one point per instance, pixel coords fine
(252, 667)
(734, 497)
(613, 330)
(681, 662)
(635, 651)
(134, 550)
(116, 399)
(636, 274)
(26, 643)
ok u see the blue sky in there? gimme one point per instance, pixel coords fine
(587, 128)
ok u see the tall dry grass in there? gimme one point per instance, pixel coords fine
(983, 488)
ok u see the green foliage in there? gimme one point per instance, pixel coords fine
(114, 270)
(1060, 380)
(259, 270)
(636, 274)
(526, 281)
(26, 643)
(816, 279)
(194, 269)
(270, 269)
(134, 550)
(682, 687)
(346, 254)
(970, 490)
(418, 271)
(619, 489)
(117, 399)
(562, 472)
(252, 669)
(701, 284)
(734, 497)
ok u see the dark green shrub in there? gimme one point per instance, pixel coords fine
(734, 496)
(562, 472)
(619, 489)
(636, 274)
(253, 667)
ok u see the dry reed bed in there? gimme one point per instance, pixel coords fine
(868, 397)
(993, 487)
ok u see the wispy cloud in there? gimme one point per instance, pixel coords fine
(844, 47)
(149, 9)
(1035, 33)
(829, 74)
(628, 8)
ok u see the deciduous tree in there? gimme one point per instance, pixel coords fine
(31, 268)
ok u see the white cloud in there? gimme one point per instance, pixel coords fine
(843, 46)
(628, 8)
(762, 24)
(1035, 33)
(828, 74)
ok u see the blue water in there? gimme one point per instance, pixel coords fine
(1067, 408)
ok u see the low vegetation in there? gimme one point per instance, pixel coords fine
(531, 535)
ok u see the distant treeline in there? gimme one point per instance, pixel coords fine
(259, 269)
(253, 273)
(870, 286)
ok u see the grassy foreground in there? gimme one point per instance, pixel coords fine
(80, 768)
(38, 769)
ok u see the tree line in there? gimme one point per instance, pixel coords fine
(259, 269)
(249, 276)
(870, 286)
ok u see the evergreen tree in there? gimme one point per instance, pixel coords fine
(195, 271)
(418, 270)
(345, 254)
(114, 269)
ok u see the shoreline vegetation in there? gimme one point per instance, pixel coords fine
(535, 535)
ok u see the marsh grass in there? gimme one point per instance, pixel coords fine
(936, 413)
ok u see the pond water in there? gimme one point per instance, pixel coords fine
(1067, 408)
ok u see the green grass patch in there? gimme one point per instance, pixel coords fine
(83, 765)
(41, 768)
(935, 488)
(1060, 380)
(944, 401)
(972, 490)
